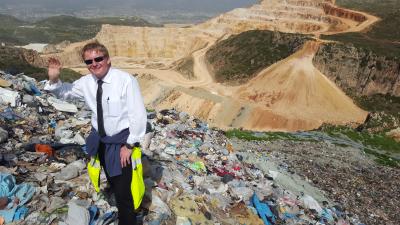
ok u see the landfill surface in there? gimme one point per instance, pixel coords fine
(193, 173)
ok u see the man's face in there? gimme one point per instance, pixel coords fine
(99, 68)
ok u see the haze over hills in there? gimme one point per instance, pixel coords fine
(56, 29)
(159, 11)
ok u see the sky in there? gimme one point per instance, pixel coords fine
(158, 11)
(184, 5)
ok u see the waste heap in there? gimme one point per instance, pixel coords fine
(193, 174)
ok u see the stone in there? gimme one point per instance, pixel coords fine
(63, 132)
(79, 139)
(55, 203)
(180, 220)
(62, 105)
(395, 134)
(7, 96)
(40, 176)
(3, 135)
(4, 83)
(71, 171)
(28, 99)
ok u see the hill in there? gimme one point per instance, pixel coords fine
(382, 38)
(240, 57)
(17, 60)
(58, 28)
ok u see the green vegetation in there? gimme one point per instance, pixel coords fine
(387, 10)
(384, 112)
(240, 57)
(260, 136)
(379, 47)
(12, 61)
(10, 21)
(380, 146)
(370, 141)
(379, 102)
(58, 28)
(383, 38)
(66, 75)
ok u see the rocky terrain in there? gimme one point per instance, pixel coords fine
(358, 70)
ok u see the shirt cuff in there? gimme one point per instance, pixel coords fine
(51, 86)
(132, 140)
(136, 144)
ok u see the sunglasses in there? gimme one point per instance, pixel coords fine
(97, 59)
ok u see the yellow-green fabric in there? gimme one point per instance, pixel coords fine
(94, 168)
(137, 183)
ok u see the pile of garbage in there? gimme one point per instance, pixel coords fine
(193, 173)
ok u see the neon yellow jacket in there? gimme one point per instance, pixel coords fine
(137, 183)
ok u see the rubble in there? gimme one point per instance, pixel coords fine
(193, 173)
(7, 96)
(395, 134)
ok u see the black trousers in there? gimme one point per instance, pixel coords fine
(121, 187)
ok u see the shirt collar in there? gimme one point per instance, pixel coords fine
(107, 78)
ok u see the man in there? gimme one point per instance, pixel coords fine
(118, 119)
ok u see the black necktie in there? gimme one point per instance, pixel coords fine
(100, 120)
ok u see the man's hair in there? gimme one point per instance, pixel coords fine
(95, 45)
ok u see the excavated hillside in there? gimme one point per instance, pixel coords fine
(295, 90)
(294, 104)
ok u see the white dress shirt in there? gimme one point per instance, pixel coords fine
(122, 101)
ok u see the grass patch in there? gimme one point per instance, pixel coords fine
(371, 141)
(149, 110)
(383, 159)
(379, 146)
(260, 136)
